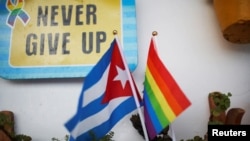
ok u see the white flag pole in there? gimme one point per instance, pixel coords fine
(133, 89)
(172, 132)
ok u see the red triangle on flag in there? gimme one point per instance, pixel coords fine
(118, 81)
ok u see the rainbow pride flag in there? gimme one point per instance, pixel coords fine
(163, 98)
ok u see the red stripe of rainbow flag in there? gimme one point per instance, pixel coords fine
(163, 98)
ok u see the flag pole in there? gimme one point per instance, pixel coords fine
(133, 91)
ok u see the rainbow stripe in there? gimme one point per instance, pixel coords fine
(163, 98)
(16, 11)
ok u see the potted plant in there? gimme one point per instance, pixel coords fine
(7, 128)
(234, 19)
(218, 104)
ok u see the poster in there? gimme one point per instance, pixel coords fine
(62, 38)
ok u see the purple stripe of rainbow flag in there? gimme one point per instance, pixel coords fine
(163, 98)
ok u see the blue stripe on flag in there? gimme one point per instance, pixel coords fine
(123, 109)
(95, 74)
(89, 110)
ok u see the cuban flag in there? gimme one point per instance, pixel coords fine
(106, 97)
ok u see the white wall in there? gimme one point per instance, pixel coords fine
(191, 46)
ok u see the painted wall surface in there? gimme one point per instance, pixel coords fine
(192, 48)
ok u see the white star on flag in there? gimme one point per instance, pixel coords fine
(121, 76)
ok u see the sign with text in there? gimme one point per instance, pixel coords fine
(62, 38)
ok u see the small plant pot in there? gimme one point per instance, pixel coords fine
(234, 19)
(234, 116)
(221, 118)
